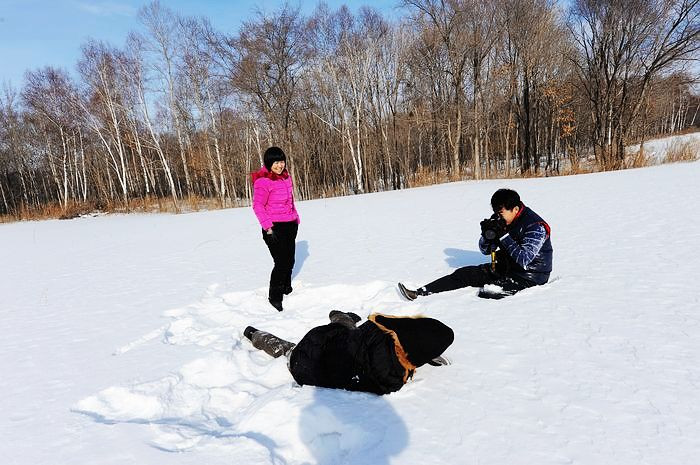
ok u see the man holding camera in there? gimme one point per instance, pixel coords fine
(518, 241)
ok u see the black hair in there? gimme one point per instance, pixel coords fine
(272, 155)
(505, 198)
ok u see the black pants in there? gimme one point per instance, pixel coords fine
(477, 276)
(276, 346)
(282, 247)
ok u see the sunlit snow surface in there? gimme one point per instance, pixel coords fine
(122, 335)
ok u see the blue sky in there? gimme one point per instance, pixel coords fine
(37, 33)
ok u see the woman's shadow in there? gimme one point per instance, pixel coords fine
(351, 427)
(301, 253)
(458, 258)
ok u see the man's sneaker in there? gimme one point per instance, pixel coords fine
(408, 293)
(248, 332)
(277, 304)
(439, 361)
(288, 290)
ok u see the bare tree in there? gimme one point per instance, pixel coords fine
(444, 22)
(268, 60)
(49, 93)
(103, 109)
(164, 46)
(623, 46)
(135, 74)
(389, 75)
(206, 89)
(347, 68)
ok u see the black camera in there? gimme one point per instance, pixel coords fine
(494, 227)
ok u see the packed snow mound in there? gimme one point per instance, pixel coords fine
(238, 398)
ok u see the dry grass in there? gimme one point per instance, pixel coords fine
(50, 211)
(682, 152)
(638, 159)
(145, 205)
(690, 130)
(677, 152)
(577, 168)
(527, 174)
(333, 191)
(425, 177)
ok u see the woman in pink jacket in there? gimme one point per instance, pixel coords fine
(273, 203)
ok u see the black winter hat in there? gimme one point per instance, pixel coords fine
(423, 339)
(272, 155)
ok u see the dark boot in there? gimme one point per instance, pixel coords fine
(287, 288)
(248, 332)
(275, 296)
(277, 304)
(269, 343)
(347, 319)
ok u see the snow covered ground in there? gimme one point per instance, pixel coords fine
(657, 150)
(122, 343)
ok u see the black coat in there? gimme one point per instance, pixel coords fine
(361, 359)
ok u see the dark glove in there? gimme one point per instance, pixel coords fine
(491, 245)
(493, 228)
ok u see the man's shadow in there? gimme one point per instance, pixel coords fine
(300, 255)
(351, 427)
(458, 258)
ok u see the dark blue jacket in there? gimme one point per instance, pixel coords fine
(526, 249)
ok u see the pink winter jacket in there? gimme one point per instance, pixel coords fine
(273, 198)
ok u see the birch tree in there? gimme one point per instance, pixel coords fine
(164, 47)
(103, 109)
(134, 71)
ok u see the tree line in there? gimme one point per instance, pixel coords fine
(452, 89)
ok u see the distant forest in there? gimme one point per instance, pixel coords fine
(452, 89)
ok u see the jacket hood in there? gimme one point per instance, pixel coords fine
(421, 338)
(265, 173)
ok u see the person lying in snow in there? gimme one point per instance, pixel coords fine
(379, 356)
(518, 241)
